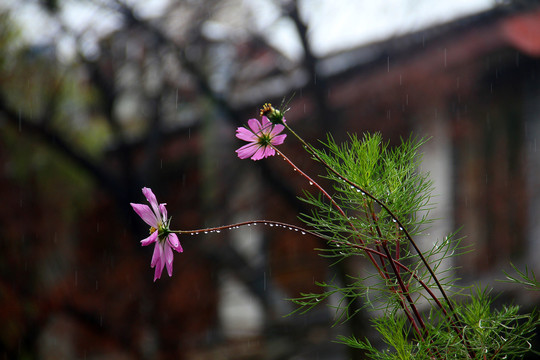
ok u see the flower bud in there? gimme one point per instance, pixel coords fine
(275, 116)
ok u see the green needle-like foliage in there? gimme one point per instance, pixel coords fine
(380, 202)
(490, 334)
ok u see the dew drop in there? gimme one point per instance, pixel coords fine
(311, 183)
(303, 233)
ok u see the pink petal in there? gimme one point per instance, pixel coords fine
(146, 214)
(156, 256)
(174, 242)
(260, 153)
(276, 130)
(151, 239)
(278, 140)
(169, 259)
(158, 261)
(159, 270)
(163, 212)
(269, 151)
(151, 199)
(245, 134)
(255, 125)
(265, 122)
(247, 150)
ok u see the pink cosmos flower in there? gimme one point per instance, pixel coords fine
(160, 234)
(261, 137)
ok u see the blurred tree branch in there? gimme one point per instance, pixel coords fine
(39, 128)
(318, 84)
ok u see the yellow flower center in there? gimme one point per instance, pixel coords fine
(267, 109)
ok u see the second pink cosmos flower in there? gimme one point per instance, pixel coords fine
(160, 234)
(262, 136)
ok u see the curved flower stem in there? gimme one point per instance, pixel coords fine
(271, 223)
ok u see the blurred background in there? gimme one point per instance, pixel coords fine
(99, 98)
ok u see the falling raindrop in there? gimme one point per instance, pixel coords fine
(445, 51)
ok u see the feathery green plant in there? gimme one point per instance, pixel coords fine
(380, 201)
